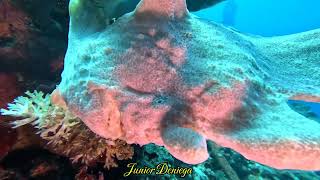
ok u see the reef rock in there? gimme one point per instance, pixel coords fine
(8, 91)
(161, 75)
(24, 47)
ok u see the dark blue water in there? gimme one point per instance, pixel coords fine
(315, 107)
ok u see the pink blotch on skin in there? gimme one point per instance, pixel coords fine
(148, 76)
(306, 97)
(214, 111)
(276, 153)
(177, 54)
(141, 121)
(176, 9)
(152, 32)
(178, 57)
(102, 116)
(163, 44)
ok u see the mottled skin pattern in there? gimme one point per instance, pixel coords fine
(160, 75)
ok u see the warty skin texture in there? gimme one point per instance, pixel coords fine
(161, 75)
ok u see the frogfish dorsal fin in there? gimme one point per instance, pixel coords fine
(173, 9)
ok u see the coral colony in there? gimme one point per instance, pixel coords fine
(161, 75)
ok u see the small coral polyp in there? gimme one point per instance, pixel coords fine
(161, 75)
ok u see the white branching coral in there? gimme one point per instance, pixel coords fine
(34, 109)
(65, 133)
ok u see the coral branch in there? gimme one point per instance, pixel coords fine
(65, 133)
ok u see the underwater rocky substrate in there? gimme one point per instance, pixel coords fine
(37, 163)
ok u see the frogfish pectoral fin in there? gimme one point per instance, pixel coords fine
(279, 137)
(185, 144)
(306, 98)
(292, 62)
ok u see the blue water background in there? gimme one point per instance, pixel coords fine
(268, 18)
